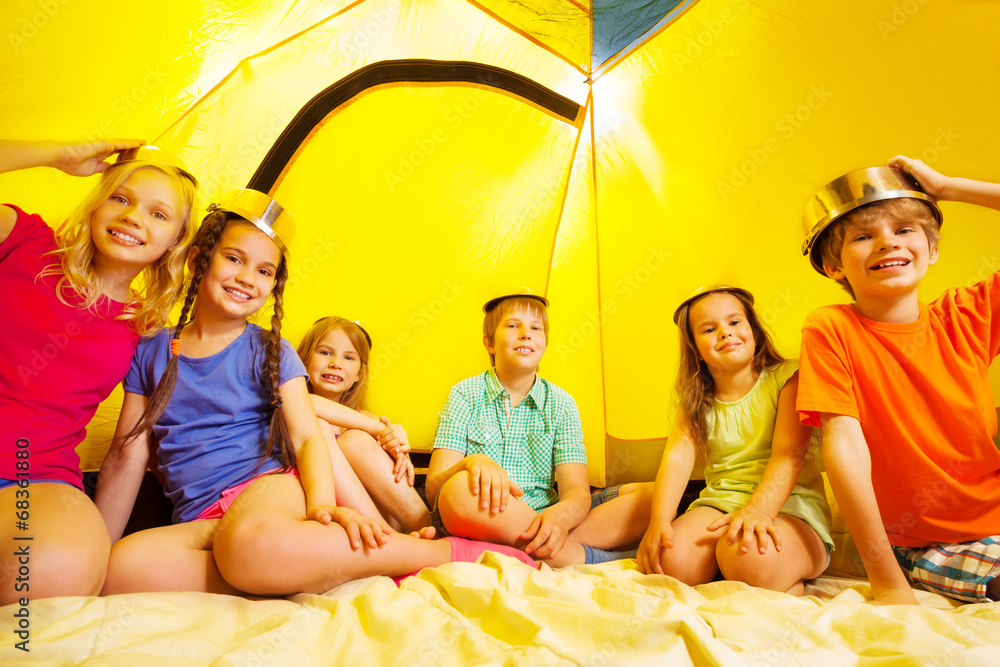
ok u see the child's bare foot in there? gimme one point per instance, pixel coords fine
(425, 533)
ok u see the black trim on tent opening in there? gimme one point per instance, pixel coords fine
(392, 71)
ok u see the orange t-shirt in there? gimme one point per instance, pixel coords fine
(921, 392)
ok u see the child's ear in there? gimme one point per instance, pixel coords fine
(933, 256)
(488, 345)
(834, 272)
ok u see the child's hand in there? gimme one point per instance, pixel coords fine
(320, 513)
(752, 523)
(656, 539)
(372, 533)
(490, 482)
(86, 159)
(930, 181)
(894, 596)
(546, 533)
(403, 469)
(392, 439)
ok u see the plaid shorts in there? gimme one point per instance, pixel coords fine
(959, 571)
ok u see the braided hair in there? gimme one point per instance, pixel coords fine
(209, 234)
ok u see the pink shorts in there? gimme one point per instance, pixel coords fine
(229, 496)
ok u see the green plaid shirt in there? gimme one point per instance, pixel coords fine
(528, 441)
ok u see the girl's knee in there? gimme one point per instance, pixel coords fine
(763, 570)
(355, 442)
(58, 566)
(123, 563)
(688, 565)
(242, 539)
(643, 488)
(738, 565)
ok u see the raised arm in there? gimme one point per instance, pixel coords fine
(343, 416)
(788, 451)
(672, 478)
(390, 437)
(123, 468)
(949, 188)
(848, 465)
(76, 159)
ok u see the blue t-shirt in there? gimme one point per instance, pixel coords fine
(211, 435)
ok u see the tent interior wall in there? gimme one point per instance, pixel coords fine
(697, 144)
(610, 154)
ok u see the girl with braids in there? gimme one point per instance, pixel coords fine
(762, 517)
(221, 406)
(77, 319)
(335, 352)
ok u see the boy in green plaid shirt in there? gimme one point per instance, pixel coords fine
(509, 465)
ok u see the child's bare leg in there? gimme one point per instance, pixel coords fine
(802, 556)
(374, 466)
(168, 558)
(265, 546)
(692, 558)
(618, 523)
(463, 515)
(68, 550)
(350, 491)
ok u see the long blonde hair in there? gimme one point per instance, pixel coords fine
(161, 281)
(356, 397)
(695, 386)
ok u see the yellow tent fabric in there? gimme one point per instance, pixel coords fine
(614, 186)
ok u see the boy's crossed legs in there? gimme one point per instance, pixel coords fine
(617, 523)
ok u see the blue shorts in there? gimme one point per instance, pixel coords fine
(604, 495)
(4, 483)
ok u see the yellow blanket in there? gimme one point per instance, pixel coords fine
(501, 612)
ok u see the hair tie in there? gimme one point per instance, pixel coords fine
(276, 403)
(175, 347)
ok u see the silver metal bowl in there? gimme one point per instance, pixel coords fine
(850, 191)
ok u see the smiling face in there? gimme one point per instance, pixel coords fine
(884, 258)
(518, 342)
(241, 272)
(334, 366)
(138, 223)
(722, 333)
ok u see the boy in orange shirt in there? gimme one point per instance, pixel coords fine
(901, 388)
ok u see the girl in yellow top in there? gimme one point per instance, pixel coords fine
(737, 413)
